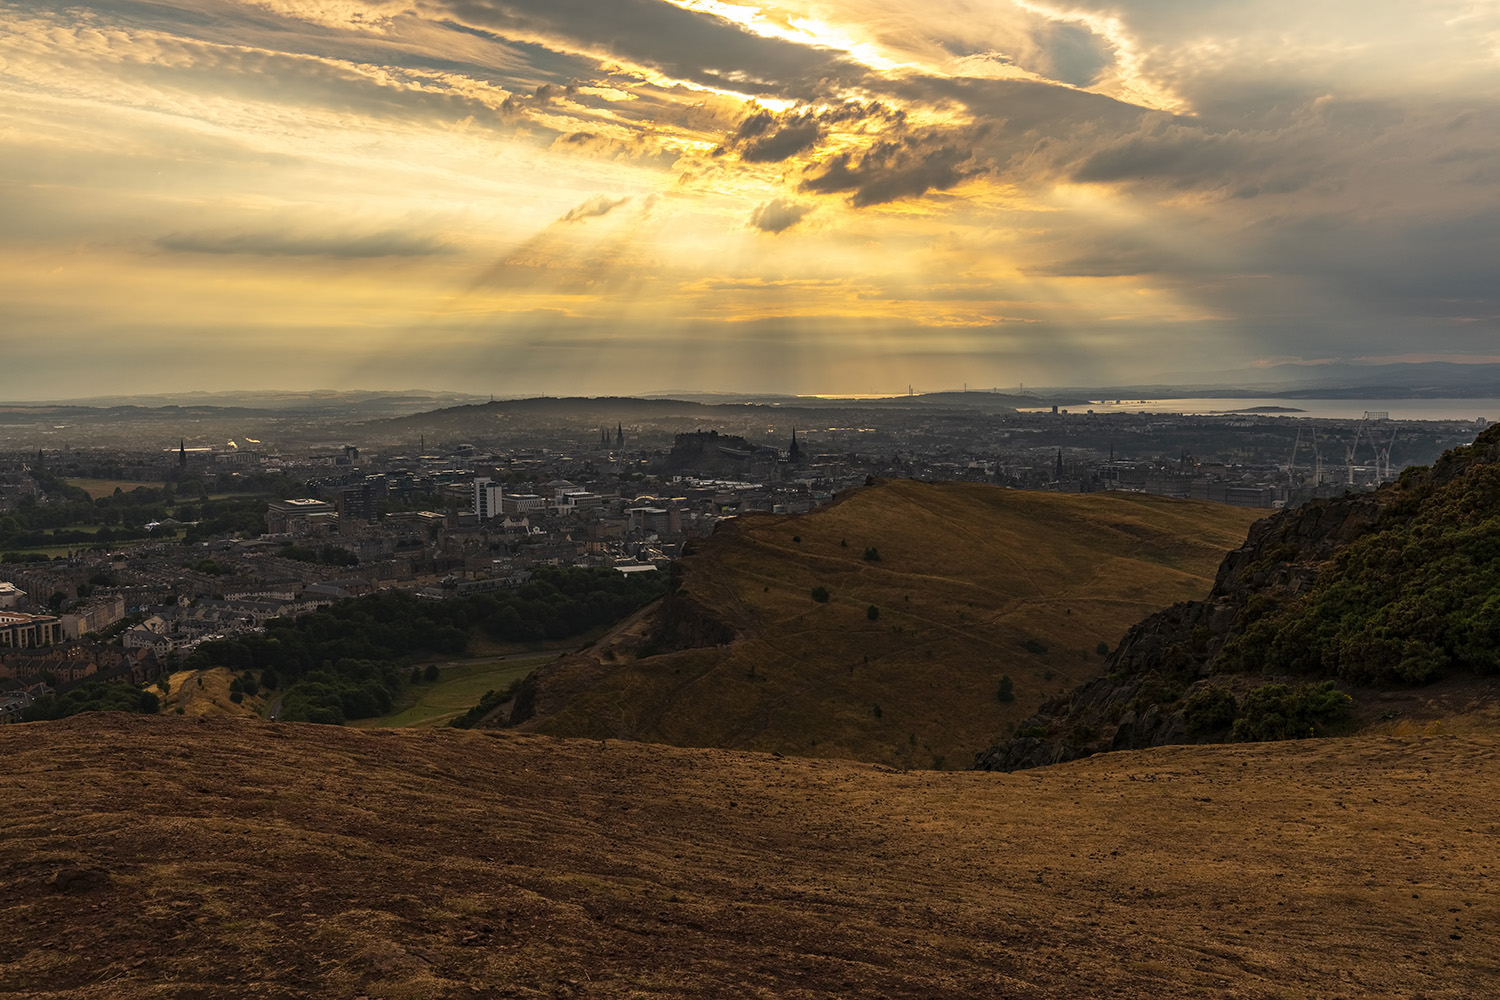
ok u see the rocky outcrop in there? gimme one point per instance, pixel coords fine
(684, 622)
(1146, 697)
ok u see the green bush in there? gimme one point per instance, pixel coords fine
(1210, 710)
(1279, 712)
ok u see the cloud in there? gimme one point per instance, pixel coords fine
(269, 244)
(594, 208)
(787, 141)
(905, 168)
(763, 136)
(779, 215)
(694, 46)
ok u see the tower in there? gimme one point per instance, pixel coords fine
(1059, 469)
(182, 453)
(794, 453)
(619, 435)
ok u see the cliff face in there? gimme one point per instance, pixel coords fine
(1283, 603)
(1168, 653)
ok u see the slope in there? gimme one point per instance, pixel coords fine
(1348, 603)
(179, 858)
(968, 583)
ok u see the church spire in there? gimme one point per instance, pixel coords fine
(794, 453)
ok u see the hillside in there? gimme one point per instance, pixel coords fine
(212, 858)
(1328, 614)
(969, 584)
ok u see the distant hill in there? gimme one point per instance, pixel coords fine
(1331, 615)
(934, 594)
(169, 857)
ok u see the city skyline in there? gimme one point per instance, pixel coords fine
(830, 196)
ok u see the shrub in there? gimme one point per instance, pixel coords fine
(1210, 710)
(1102, 649)
(431, 673)
(1007, 689)
(872, 613)
(1278, 712)
(820, 594)
(872, 554)
(1034, 646)
(878, 712)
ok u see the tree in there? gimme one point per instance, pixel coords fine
(872, 613)
(1007, 690)
(820, 594)
(431, 673)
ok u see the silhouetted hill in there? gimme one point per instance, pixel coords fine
(932, 595)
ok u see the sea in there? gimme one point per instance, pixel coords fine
(1476, 410)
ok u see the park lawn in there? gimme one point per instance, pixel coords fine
(457, 689)
(97, 488)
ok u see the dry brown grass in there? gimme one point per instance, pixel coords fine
(210, 697)
(228, 858)
(967, 574)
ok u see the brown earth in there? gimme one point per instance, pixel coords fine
(973, 583)
(174, 857)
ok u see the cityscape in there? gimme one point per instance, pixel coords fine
(119, 561)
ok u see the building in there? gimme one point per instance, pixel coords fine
(487, 498)
(301, 517)
(359, 502)
(516, 503)
(18, 631)
(94, 616)
(10, 595)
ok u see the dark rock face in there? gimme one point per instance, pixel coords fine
(1169, 656)
(685, 623)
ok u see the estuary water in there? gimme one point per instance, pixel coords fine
(1337, 409)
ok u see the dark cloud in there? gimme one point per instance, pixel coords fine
(905, 168)
(779, 215)
(385, 244)
(766, 137)
(789, 140)
(594, 208)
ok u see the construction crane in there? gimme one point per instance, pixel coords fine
(1317, 469)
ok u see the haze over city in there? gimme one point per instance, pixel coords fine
(837, 196)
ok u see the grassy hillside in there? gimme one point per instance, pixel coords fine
(179, 858)
(969, 584)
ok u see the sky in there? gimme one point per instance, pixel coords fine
(838, 196)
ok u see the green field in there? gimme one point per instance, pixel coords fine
(458, 688)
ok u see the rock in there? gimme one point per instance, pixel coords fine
(78, 879)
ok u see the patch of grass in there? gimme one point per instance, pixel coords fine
(457, 689)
